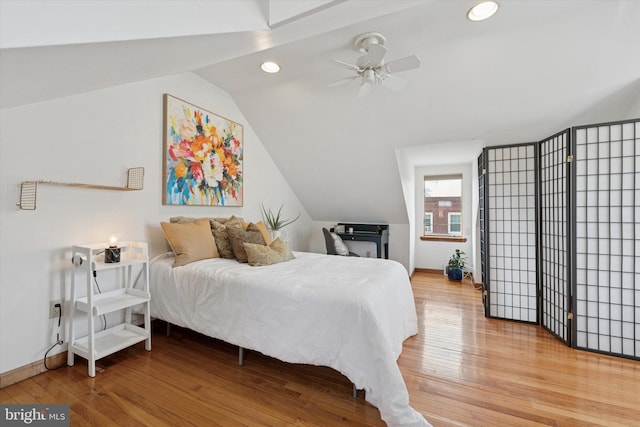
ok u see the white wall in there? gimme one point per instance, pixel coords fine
(435, 254)
(407, 181)
(93, 138)
(634, 112)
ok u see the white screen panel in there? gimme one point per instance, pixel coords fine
(607, 208)
(511, 267)
(555, 253)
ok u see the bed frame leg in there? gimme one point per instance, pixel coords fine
(168, 328)
(355, 391)
(240, 356)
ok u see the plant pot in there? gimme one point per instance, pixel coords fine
(454, 274)
(282, 234)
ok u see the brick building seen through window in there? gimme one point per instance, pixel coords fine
(442, 215)
(443, 206)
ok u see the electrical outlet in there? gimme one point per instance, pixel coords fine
(54, 311)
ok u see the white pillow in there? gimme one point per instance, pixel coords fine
(341, 248)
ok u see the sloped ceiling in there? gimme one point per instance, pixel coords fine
(534, 68)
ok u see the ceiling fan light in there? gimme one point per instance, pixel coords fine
(369, 76)
(482, 11)
(270, 67)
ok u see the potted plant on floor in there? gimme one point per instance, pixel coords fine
(455, 267)
(276, 222)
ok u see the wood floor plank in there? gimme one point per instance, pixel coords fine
(6, 397)
(254, 389)
(462, 369)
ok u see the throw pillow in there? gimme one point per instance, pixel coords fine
(222, 238)
(341, 248)
(276, 252)
(223, 220)
(238, 236)
(190, 241)
(282, 248)
(183, 219)
(234, 221)
(265, 233)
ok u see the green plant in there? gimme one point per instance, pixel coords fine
(458, 259)
(275, 221)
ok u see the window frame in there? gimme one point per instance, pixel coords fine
(430, 216)
(449, 222)
(449, 236)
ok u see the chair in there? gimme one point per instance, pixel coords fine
(331, 244)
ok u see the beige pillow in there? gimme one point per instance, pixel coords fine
(234, 221)
(265, 233)
(232, 218)
(190, 241)
(217, 230)
(183, 219)
(223, 243)
(276, 252)
(238, 236)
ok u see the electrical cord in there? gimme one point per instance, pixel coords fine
(58, 340)
(104, 316)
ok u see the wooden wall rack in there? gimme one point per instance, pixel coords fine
(29, 189)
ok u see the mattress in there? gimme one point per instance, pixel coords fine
(351, 314)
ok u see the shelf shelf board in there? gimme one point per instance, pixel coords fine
(111, 301)
(111, 340)
(124, 262)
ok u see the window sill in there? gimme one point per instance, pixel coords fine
(443, 238)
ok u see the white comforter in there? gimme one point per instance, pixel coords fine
(348, 313)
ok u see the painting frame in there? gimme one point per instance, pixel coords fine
(203, 156)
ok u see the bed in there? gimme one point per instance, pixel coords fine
(351, 314)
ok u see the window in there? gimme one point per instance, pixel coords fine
(428, 222)
(443, 206)
(455, 223)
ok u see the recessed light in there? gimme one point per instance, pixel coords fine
(270, 67)
(482, 10)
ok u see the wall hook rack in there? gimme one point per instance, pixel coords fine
(29, 189)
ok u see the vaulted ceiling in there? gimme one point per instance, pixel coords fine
(534, 68)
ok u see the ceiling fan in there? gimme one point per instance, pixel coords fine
(371, 69)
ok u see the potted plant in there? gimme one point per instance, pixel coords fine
(276, 222)
(455, 267)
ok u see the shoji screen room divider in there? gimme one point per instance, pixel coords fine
(560, 235)
(510, 248)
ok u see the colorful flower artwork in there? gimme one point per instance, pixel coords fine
(202, 156)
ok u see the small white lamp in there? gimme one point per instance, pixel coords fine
(112, 253)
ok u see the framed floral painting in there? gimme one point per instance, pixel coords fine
(202, 156)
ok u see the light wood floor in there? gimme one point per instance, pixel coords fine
(461, 369)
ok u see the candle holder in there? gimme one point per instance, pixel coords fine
(112, 254)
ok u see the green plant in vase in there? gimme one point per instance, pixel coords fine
(455, 267)
(275, 221)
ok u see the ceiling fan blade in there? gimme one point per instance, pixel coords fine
(365, 88)
(342, 81)
(347, 65)
(403, 64)
(393, 82)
